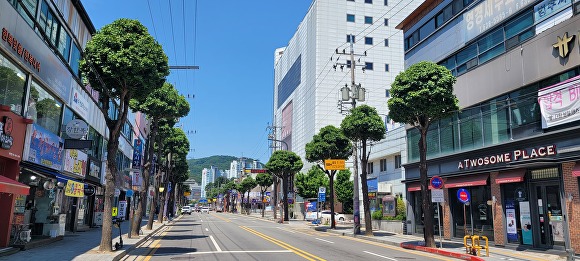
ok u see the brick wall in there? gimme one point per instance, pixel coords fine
(573, 207)
(498, 218)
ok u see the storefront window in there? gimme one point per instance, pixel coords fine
(44, 109)
(12, 85)
(513, 194)
(419, 217)
(477, 211)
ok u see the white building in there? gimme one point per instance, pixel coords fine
(307, 87)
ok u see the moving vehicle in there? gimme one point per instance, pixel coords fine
(186, 210)
(219, 209)
(205, 210)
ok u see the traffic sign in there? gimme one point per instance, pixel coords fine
(129, 193)
(321, 189)
(437, 182)
(463, 195)
(334, 164)
(437, 196)
(321, 197)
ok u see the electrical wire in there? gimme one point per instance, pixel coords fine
(152, 21)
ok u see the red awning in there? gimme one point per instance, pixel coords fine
(576, 170)
(416, 186)
(510, 176)
(12, 186)
(467, 181)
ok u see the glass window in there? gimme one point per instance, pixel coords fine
(525, 112)
(448, 134)
(397, 162)
(427, 29)
(12, 85)
(383, 166)
(478, 209)
(369, 40)
(64, 42)
(467, 54)
(368, 66)
(519, 24)
(386, 42)
(75, 58)
(386, 67)
(44, 109)
(386, 2)
(97, 139)
(350, 18)
(444, 16)
(387, 94)
(495, 121)
(370, 168)
(349, 38)
(470, 128)
(368, 19)
(386, 21)
(433, 141)
(484, 57)
(492, 39)
(369, 1)
(413, 136)
(29, 5)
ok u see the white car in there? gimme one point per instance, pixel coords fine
(186, 210)
(205, 210)
(326, 214)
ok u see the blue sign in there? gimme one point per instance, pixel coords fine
(46, 148)
(437, 182)
(373, 185)
(137, 151)
(129, 193)
(463, 195)
(203, 200)
(311, 206)
(321, 197)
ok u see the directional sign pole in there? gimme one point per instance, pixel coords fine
(439, 221)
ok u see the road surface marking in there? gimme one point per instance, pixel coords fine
(215, 244)
(380, 255)
(222, 218)
(324, 240)
(206, 229)
(240, 251)
(400, 249)
(512, 255)
(155, 245)
(297, 251)
(290, 231)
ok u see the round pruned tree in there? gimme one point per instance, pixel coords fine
(123, 62)
(344, 190)
(329, 143)
(420, 95)
(284, 164)
(364, 125)
(264, 180)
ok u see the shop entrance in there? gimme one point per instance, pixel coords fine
(547, 215)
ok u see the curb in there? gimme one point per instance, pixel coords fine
(141, 240)
(441, 252)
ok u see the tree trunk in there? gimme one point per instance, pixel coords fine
(425, 198)
(262, 201)
(285, 184)
(365, 190)
(331, 184)
(106, 231)
(275, 196)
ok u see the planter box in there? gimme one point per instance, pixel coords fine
(393, 226)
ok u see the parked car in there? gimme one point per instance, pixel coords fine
(219, 209)
(186, 210)
(326, 214)
(205, 210)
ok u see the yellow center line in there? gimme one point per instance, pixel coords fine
(155, 245)
(414, 252)
(297, 251)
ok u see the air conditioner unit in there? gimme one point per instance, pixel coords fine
(385, 188)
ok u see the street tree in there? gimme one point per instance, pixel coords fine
(176, 145)
(423, 94)
(329, 143)
(364, 125)
(264, 180)
(307, 184)
(228, 187)
(123, 62)
(344, 190)
(284, 164)
(164, 103)
(249, 184)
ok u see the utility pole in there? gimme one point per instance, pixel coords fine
(354, 93)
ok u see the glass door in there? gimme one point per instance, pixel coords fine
(549, 215)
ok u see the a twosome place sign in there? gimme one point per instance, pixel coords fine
(515, 155)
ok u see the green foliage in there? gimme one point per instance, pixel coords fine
(126, 59)
(363, 123)
(401, 211)
(283, 163)
(421, 94)
(344, 190)
(307, 184)
(377, 215)
(196, 165)
(264, 180)
(163, 103)
(329, 143)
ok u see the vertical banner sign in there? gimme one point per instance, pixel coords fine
(122, 209)
(510, 217)
(137, 152)
(526, 221)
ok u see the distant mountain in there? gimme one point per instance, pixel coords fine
(196, 166)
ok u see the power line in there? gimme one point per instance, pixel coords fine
(152, 21)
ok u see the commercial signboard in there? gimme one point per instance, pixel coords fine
(75, 161)
(560, 103)
(334, 164)
(74, 189)
(489, 13)
(46, 148)
(79, 103)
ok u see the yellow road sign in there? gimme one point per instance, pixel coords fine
(334, 164)
(114, 212)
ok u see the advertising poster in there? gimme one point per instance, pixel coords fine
(310, 210)
(510, 217)
(526, 221)
(74, 189)
(122, 209)
(75, 161)
(46, 148)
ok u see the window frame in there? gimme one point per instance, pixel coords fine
(368, 19)
(368, 40)
(350, 18)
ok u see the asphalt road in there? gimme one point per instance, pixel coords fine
(224, 236)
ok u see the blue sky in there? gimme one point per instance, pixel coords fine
(233, 42)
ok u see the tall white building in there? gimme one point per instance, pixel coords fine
(306, 85)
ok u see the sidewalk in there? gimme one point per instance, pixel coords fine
(450, 248)
(84, 245)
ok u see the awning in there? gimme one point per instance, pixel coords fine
(467, 181)
(12, 186)
(516, 175)
(576, 170)
(416, 186)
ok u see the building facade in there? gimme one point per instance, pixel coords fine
(40, 85)
(512, 151)
(310, 71)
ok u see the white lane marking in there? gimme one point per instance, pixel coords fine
(290, 231)
(324, 240)
(240, 251)
(371, 253)
(206, 229)
(215, 244)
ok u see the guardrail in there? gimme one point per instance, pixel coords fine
(475, 247)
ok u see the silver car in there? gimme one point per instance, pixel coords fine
(205, 210)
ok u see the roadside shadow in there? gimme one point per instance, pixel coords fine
(182, 237)
(170, 251)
